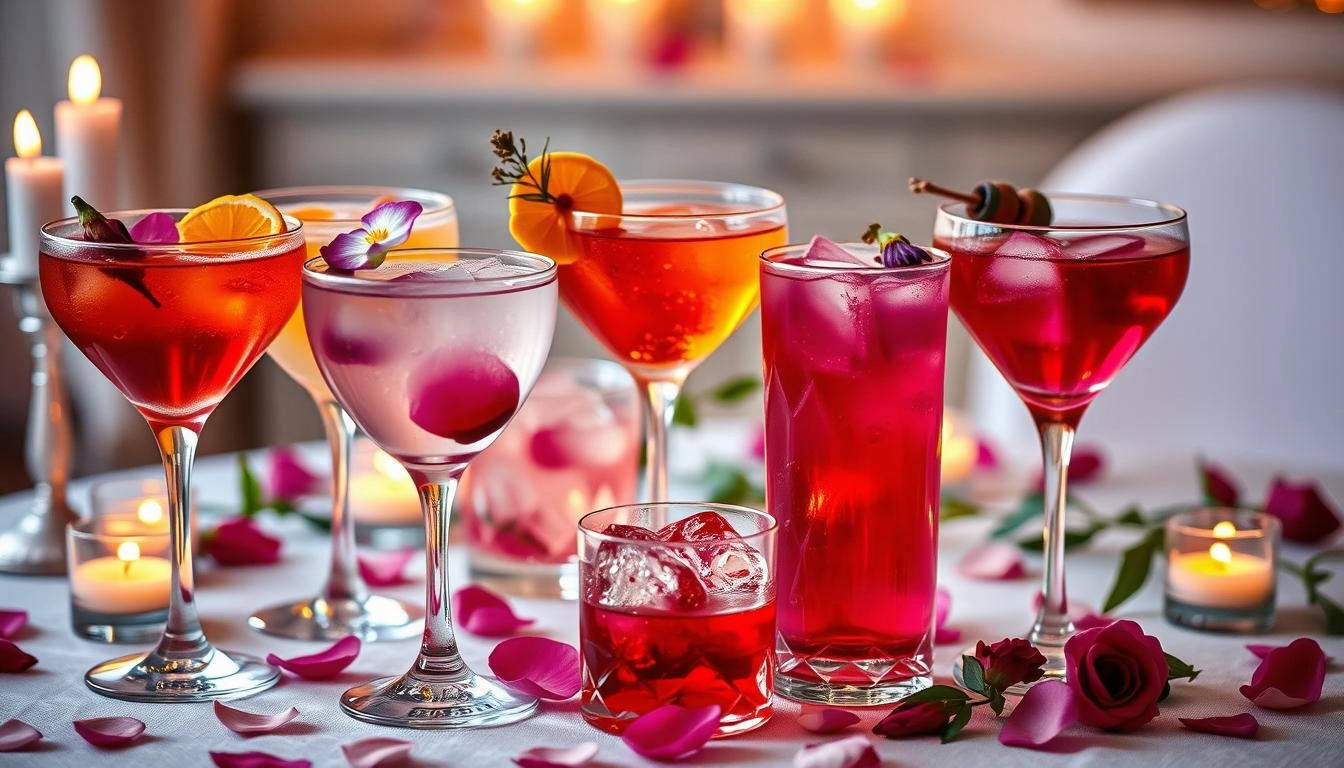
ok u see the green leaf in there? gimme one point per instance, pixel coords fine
(1180, 670)
(1032, 506)
(320, 523)
(251, 489)
(959, 721)
(1073, 538)
(973, 675)
(683, 412)
(1135, 564)
(942, 693)
(1334, 614)
(728, 484)
(996, 701)
(734, 390)
(1131, 516)
(951, 509)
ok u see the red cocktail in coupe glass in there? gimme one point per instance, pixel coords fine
(1059, 309)
(854, 361)
(174, 327)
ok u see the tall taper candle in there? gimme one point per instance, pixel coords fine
(32, 194)
(88, 130)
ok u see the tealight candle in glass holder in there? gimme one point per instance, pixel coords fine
(384, 500)
(119, 577)
(1221, 566)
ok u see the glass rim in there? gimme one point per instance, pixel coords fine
(82, 529)
(1183, 523)
(773, 201)
(49, 233)
(1173, 214)
(544, 273)
(443, 203)
(769, 258)
(703, 506)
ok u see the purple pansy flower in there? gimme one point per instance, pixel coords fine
(385, 228)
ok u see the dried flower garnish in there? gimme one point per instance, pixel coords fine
(897, 250)
(385, 227)
(100, 229)
(515, 169)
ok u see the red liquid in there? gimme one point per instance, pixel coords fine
(174, 362)
(854, 392)
(1060, 329)
(637, 662)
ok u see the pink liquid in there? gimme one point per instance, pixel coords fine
(854, 395)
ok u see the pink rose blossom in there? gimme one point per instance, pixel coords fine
(1305, 514)
(1117, 674)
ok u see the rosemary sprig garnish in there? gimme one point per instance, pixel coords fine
(515, 168)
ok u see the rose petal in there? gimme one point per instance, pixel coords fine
(384, 569)
(1092, 621)
(985, 458)
(241, 542)
(942, 606)
(1242, 726)
(1289, 677)
(255, 760)
(157, 227)
(352, 250)
(482, 612)
(345, 349)
(322, 665)
(1042, 714)
(390, 223)
(109, 731)
(1218, 485)
(16, 734)
(918, 719)
(1086, 464)
(12, 622)
(1261, 651)
(854, 751)
(992, 561)
(1077, 611)
(537, 666)
(252, 723)
(827, 720)
(13, 658)
(558, 757)
(1305, 514)
(376, 752)
(288, 478)
(466, 396)
(670, 732)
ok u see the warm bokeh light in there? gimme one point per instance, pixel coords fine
(388, 466)
(522, 10)
(869, 12)
(86, 80)
(1220, 552)
(1225, 529)
(128, 551)
(27, 141)
(766, 13)
(1330, 6)
(149, 512)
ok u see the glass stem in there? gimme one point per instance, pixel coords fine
(438, 648)
(660, 403)
(1052, 627)
(343, 582)
(182, 635)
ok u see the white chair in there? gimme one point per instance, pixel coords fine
(1250, 364)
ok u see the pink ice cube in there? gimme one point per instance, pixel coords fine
(822, 251)
(1104, 245)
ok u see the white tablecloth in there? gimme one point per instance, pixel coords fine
(51, 695)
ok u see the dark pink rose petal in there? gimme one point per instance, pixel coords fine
(482, 612)
(854, 751)
(16, 734)
(241, 542)
(255, 760)
(377, 752)
(1085, 465)
(1305, 514)
(1288, 677)
(985, 458)
(157, 227)
(322, 665)
(252, 723)
(287, 478)
(671, 732)
(109, 731)
(558, 757)
(1242, 726)
(384, 569)
(942, 606)
(1043, 713)
(349, 349)
(1261, 651)
(827, 720)
(1218, 485)
(992, 561)
(756, 448)
(13, 658)
(537, 666)
(12, 622)
(465, 397)
(1092, 621)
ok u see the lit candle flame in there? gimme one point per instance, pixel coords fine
(86, 80)
(127, 552)
(1225, 530)
(388, 466)
(149, 512)
(1221, 553)
(863, 12)
(27, 140)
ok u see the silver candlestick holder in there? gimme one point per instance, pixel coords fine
(36, 544)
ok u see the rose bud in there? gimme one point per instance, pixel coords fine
(1009, 662)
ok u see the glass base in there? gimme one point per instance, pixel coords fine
(218, 675)
(466, 700)
(523, 579)
(848, 682)
(373, 619)
(1258, 618)
(1054, 669)
(138, 628)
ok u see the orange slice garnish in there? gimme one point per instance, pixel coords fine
(577, 183)
(231, 217)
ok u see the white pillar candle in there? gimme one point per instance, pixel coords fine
(88, 131)
(32, 195)
(125, 584)
(755, 29)
(384, 494)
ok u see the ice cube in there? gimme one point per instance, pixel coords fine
(1021, 269)
(637, 576)
(702, 526)
(823, 252)
(723, 561)
(1023, 245)
(401, 273)
(1104, 245)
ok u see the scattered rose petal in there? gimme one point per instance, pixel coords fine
(109, 731)
(992, 561)
(671, 732)
(1242, 726)
(12, 622)
(251, 723)
(985, 458)
(157, 227)
(1043, 713)
(827, 720)
(322, 665)
(482, 612)
(1092, 621)
(1261, 651)
(854, 751)
(377, 752)
(537, 666)
(13, 658)
(756, 447)
(1218, 485)
(255, 760)
(465, 396)
(241, 542)
(558, 757)
(16, 734)
(1086, 464)
(1305, 514)
(384, 569)
(1288, 677)
(287, 478)
(942, 606)
(1077, 611)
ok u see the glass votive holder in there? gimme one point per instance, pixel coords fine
(383, 500)
(572, 448)
(1221, 569)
